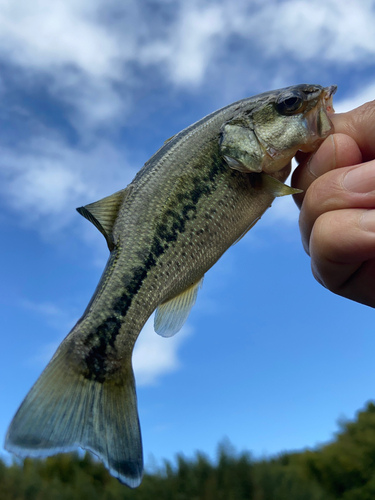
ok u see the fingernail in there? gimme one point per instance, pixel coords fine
(324, 159)
(360, 179)
(367, 221)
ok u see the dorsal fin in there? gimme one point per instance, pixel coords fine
(171, 315)
(103, 213)
(170, 138)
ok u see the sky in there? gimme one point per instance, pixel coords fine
(90, 89)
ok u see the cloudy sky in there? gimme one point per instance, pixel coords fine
(90, 89)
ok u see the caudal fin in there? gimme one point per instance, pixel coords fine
(64, 410)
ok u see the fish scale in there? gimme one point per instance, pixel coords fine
(198, 195)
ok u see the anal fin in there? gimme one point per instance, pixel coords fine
(172, 314)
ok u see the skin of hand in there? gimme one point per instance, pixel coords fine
(337, 219)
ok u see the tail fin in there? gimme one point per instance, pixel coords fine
(63, 410)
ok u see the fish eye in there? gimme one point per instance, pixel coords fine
(290, 104)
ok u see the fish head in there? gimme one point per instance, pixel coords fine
(296, 118)
(269, 130)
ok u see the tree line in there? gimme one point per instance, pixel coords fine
(342, 469)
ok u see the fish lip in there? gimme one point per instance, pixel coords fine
(318, 120)
(329, 91)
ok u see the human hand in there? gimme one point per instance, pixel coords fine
(337, 220)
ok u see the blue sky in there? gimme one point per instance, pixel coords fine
(90, 90)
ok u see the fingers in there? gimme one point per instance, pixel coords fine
(348, 187)
(359, 124)
(337, 151)
(352, 143)
(337, 219)
(342, 249)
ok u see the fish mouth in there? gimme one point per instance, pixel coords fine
(318, 121)
(327, 97)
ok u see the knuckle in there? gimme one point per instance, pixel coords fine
(337, 238)
(366, 112)
(331, 239)
(323, 195)
(362, 121)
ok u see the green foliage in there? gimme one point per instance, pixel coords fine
(346, 467)
(275, 481)
(60, 477)
(68, 477)
(343, 469)
(198, 479)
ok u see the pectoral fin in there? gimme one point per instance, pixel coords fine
(237, 165)
(103, 213)
(171, 315)
(277, 188)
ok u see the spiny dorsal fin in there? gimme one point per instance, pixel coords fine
(170, 138)
(276, 187)
(103, 213)
(171, 315)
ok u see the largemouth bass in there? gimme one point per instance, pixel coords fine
(197, 195)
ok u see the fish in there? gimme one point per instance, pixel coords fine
(194, 198)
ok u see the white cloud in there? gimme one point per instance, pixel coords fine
(66, 43)
(333, 30)
(155, 356)
(364, 95)
(191, 42)
(48, 35)
(45, 179)
(92, 102)
(86, 48)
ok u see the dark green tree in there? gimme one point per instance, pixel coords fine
(346, 467)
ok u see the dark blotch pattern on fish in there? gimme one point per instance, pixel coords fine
(103, 336)
(181, 210)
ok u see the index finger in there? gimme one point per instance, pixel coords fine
(360, 125)
(353, 142)
(337, 151)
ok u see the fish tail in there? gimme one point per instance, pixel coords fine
(64, 410)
